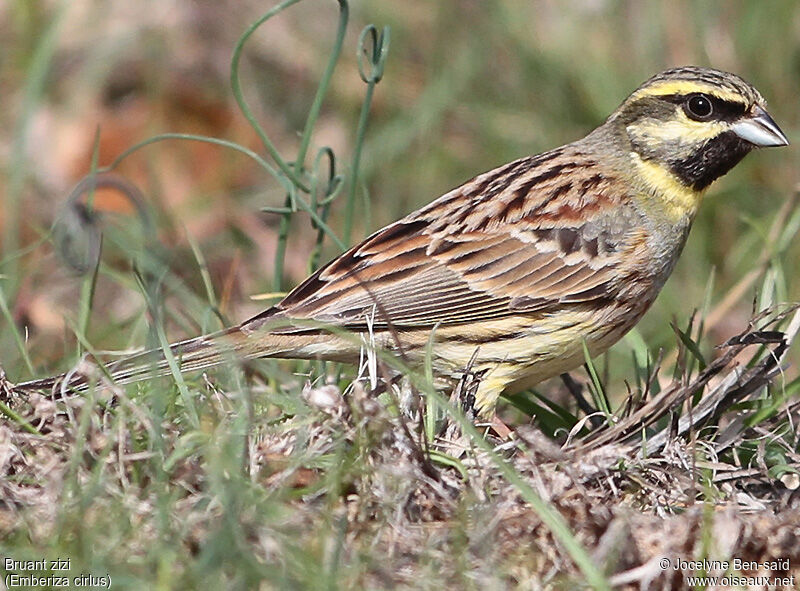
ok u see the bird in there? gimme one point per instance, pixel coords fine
(517, 272)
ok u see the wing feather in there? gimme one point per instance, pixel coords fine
(539, 243)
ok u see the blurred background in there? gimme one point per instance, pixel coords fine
(468, 85)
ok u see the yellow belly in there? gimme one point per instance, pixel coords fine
(517, 353)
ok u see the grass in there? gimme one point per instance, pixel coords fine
(291, 475)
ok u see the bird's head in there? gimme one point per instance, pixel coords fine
(692, 125)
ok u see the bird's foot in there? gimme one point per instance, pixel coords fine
(500, 428)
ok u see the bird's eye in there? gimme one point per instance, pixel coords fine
(698, 107)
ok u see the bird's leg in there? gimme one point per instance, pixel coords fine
(465, 394)
(500, 428)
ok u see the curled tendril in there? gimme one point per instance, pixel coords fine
(76, 231)
(332, 185)
(321, 207)
(375, 49)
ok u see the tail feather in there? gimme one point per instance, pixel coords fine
(190, 355)
(249, 340)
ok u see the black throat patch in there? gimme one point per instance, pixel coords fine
(711, 160)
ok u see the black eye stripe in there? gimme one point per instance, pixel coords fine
(723, 110)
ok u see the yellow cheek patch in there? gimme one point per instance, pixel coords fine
(682, 129)
(687, 87)
(665, 190)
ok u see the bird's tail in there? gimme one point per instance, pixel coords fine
(189, 355)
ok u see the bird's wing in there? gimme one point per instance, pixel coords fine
(522, 238)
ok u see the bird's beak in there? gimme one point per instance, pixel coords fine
(759, 129)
